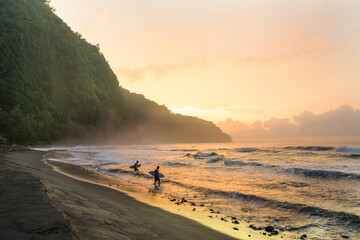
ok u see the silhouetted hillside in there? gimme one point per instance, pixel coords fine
(54, 85)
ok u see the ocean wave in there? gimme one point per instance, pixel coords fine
(200, 154)
(310, 148)
(353, 156)
(246, 149)
(321, 173)
(112, 171)
(214, 159)
(315, 173)
(79, 149)
(217, 149)
(146, 148)
(348, 149)
(230, 163)
(50, 149)
(272, 203)
(183, 150)
(254, 164)
(105, 158)
(176, 164)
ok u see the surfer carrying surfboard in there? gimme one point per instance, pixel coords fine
(136, 166)
(156, 176)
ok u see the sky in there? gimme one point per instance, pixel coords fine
(243, 60)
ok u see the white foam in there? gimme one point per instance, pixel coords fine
(50, 149)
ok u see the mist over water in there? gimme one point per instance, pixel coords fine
(298, 188)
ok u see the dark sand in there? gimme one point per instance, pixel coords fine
(90, 211)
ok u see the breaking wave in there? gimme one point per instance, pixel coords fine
(214, 159)
(310, 148)
(200, 154)
(246, 149)
(321, 173)
(348, 149)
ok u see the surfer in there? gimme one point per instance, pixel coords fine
(136, 166)
(156, 176)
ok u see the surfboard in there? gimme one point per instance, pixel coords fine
(160, 174)
(139, 165)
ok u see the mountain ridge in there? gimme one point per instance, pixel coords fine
(54, 85)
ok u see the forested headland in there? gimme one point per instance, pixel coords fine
(54, 86)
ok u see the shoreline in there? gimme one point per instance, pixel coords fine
(93, 211)
(154, 197)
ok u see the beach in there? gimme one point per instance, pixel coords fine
(63, 207)
(277, 190)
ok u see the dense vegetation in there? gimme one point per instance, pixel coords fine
(54, 85)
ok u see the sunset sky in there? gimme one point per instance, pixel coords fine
(246, 60)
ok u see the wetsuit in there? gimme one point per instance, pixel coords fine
(157, 178)
(135, 167)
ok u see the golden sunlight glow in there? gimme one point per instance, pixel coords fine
(244, 60)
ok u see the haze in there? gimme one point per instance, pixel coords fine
(244, 61)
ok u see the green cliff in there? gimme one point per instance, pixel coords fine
(54, 85)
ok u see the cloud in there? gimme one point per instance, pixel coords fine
(284, 50)
(341, 122)
(153, 71)
(287, 49)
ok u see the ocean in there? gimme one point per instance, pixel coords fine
(297, 189)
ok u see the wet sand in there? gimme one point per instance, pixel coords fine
(84, 210)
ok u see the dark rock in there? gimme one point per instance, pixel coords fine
(201, 205)
(235, 228)
(235, 222)
(264, 233)
(233, 218)
(177, 203)
(222, 219)
(173, 200)
(249, 235)
(344, 236)
(303, 236)
(269, 228)
(193, 204)
(194, 209)
(183, 200)
(255, 228)
(210, 216)
(275, 232)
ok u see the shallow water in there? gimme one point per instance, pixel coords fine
(312, 190)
